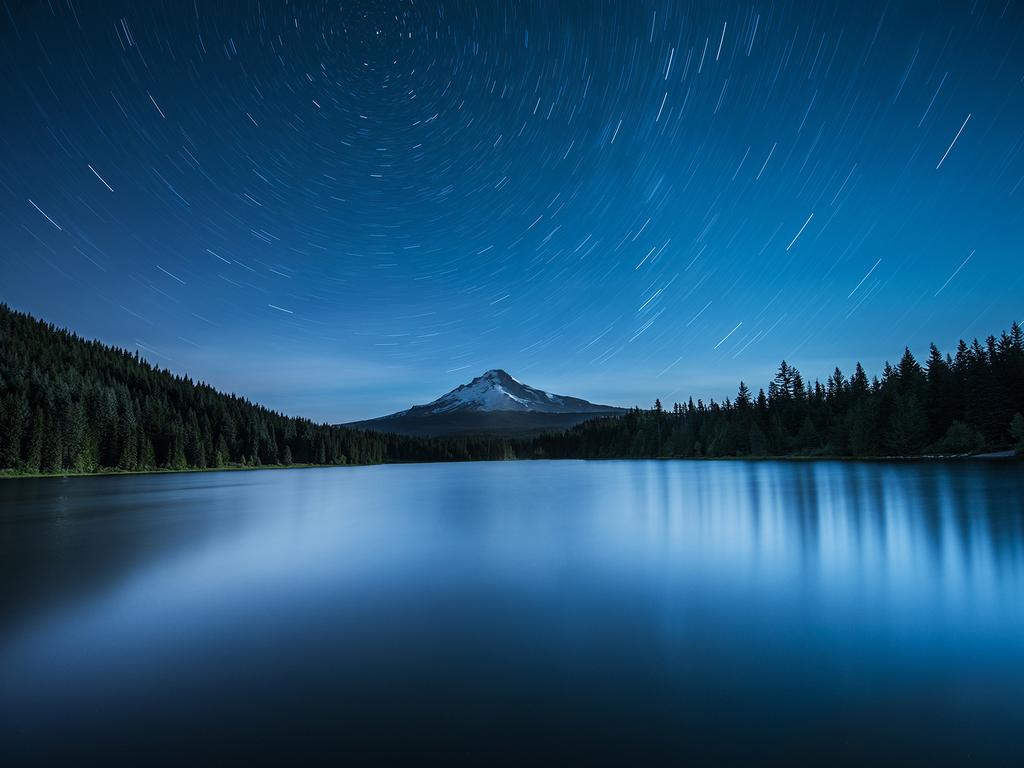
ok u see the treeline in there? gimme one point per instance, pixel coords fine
(70, 405)
(953, 404)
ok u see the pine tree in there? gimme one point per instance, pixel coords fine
(220, 453)
(908, 430)
(128, 439)
(784, 381)
(863, 429)
(52, 459)
(743, 401)
(807, 438)
(13, 425)
(757, 441)
(147, 455)
(34, 449)
(78, 447)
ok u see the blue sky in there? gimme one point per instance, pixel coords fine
(339, 213)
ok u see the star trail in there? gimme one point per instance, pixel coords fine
(341, 209)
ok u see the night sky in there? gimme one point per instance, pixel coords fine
(339, 210)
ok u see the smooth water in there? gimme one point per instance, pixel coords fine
(625, 612)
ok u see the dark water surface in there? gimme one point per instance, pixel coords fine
(622, 612)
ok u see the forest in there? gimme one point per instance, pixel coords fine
(73, 406)
(68, 405)
(952, 405)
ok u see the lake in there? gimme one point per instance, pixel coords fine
(620, 611)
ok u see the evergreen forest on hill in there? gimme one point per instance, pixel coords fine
(954, 404)
(68, 405)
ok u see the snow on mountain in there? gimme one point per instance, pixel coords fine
(496, 390)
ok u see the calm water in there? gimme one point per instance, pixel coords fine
(624, 611)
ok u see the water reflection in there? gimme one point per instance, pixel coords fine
(948, 531)
(674, 600)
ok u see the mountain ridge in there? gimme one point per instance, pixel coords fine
(493, 403)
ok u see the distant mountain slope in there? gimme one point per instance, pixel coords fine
(71, 405)
(494, 404)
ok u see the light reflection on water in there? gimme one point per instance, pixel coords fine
(464, 603)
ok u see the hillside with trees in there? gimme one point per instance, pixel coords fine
(70, 405)
(953, 404)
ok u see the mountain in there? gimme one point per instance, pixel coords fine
(498, 391)
(495, 404)
(71, 405)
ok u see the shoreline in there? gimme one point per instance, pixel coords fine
(998, 456)
(7, 475)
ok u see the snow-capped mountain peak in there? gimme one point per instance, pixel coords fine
(494, 404)
(496, 390)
